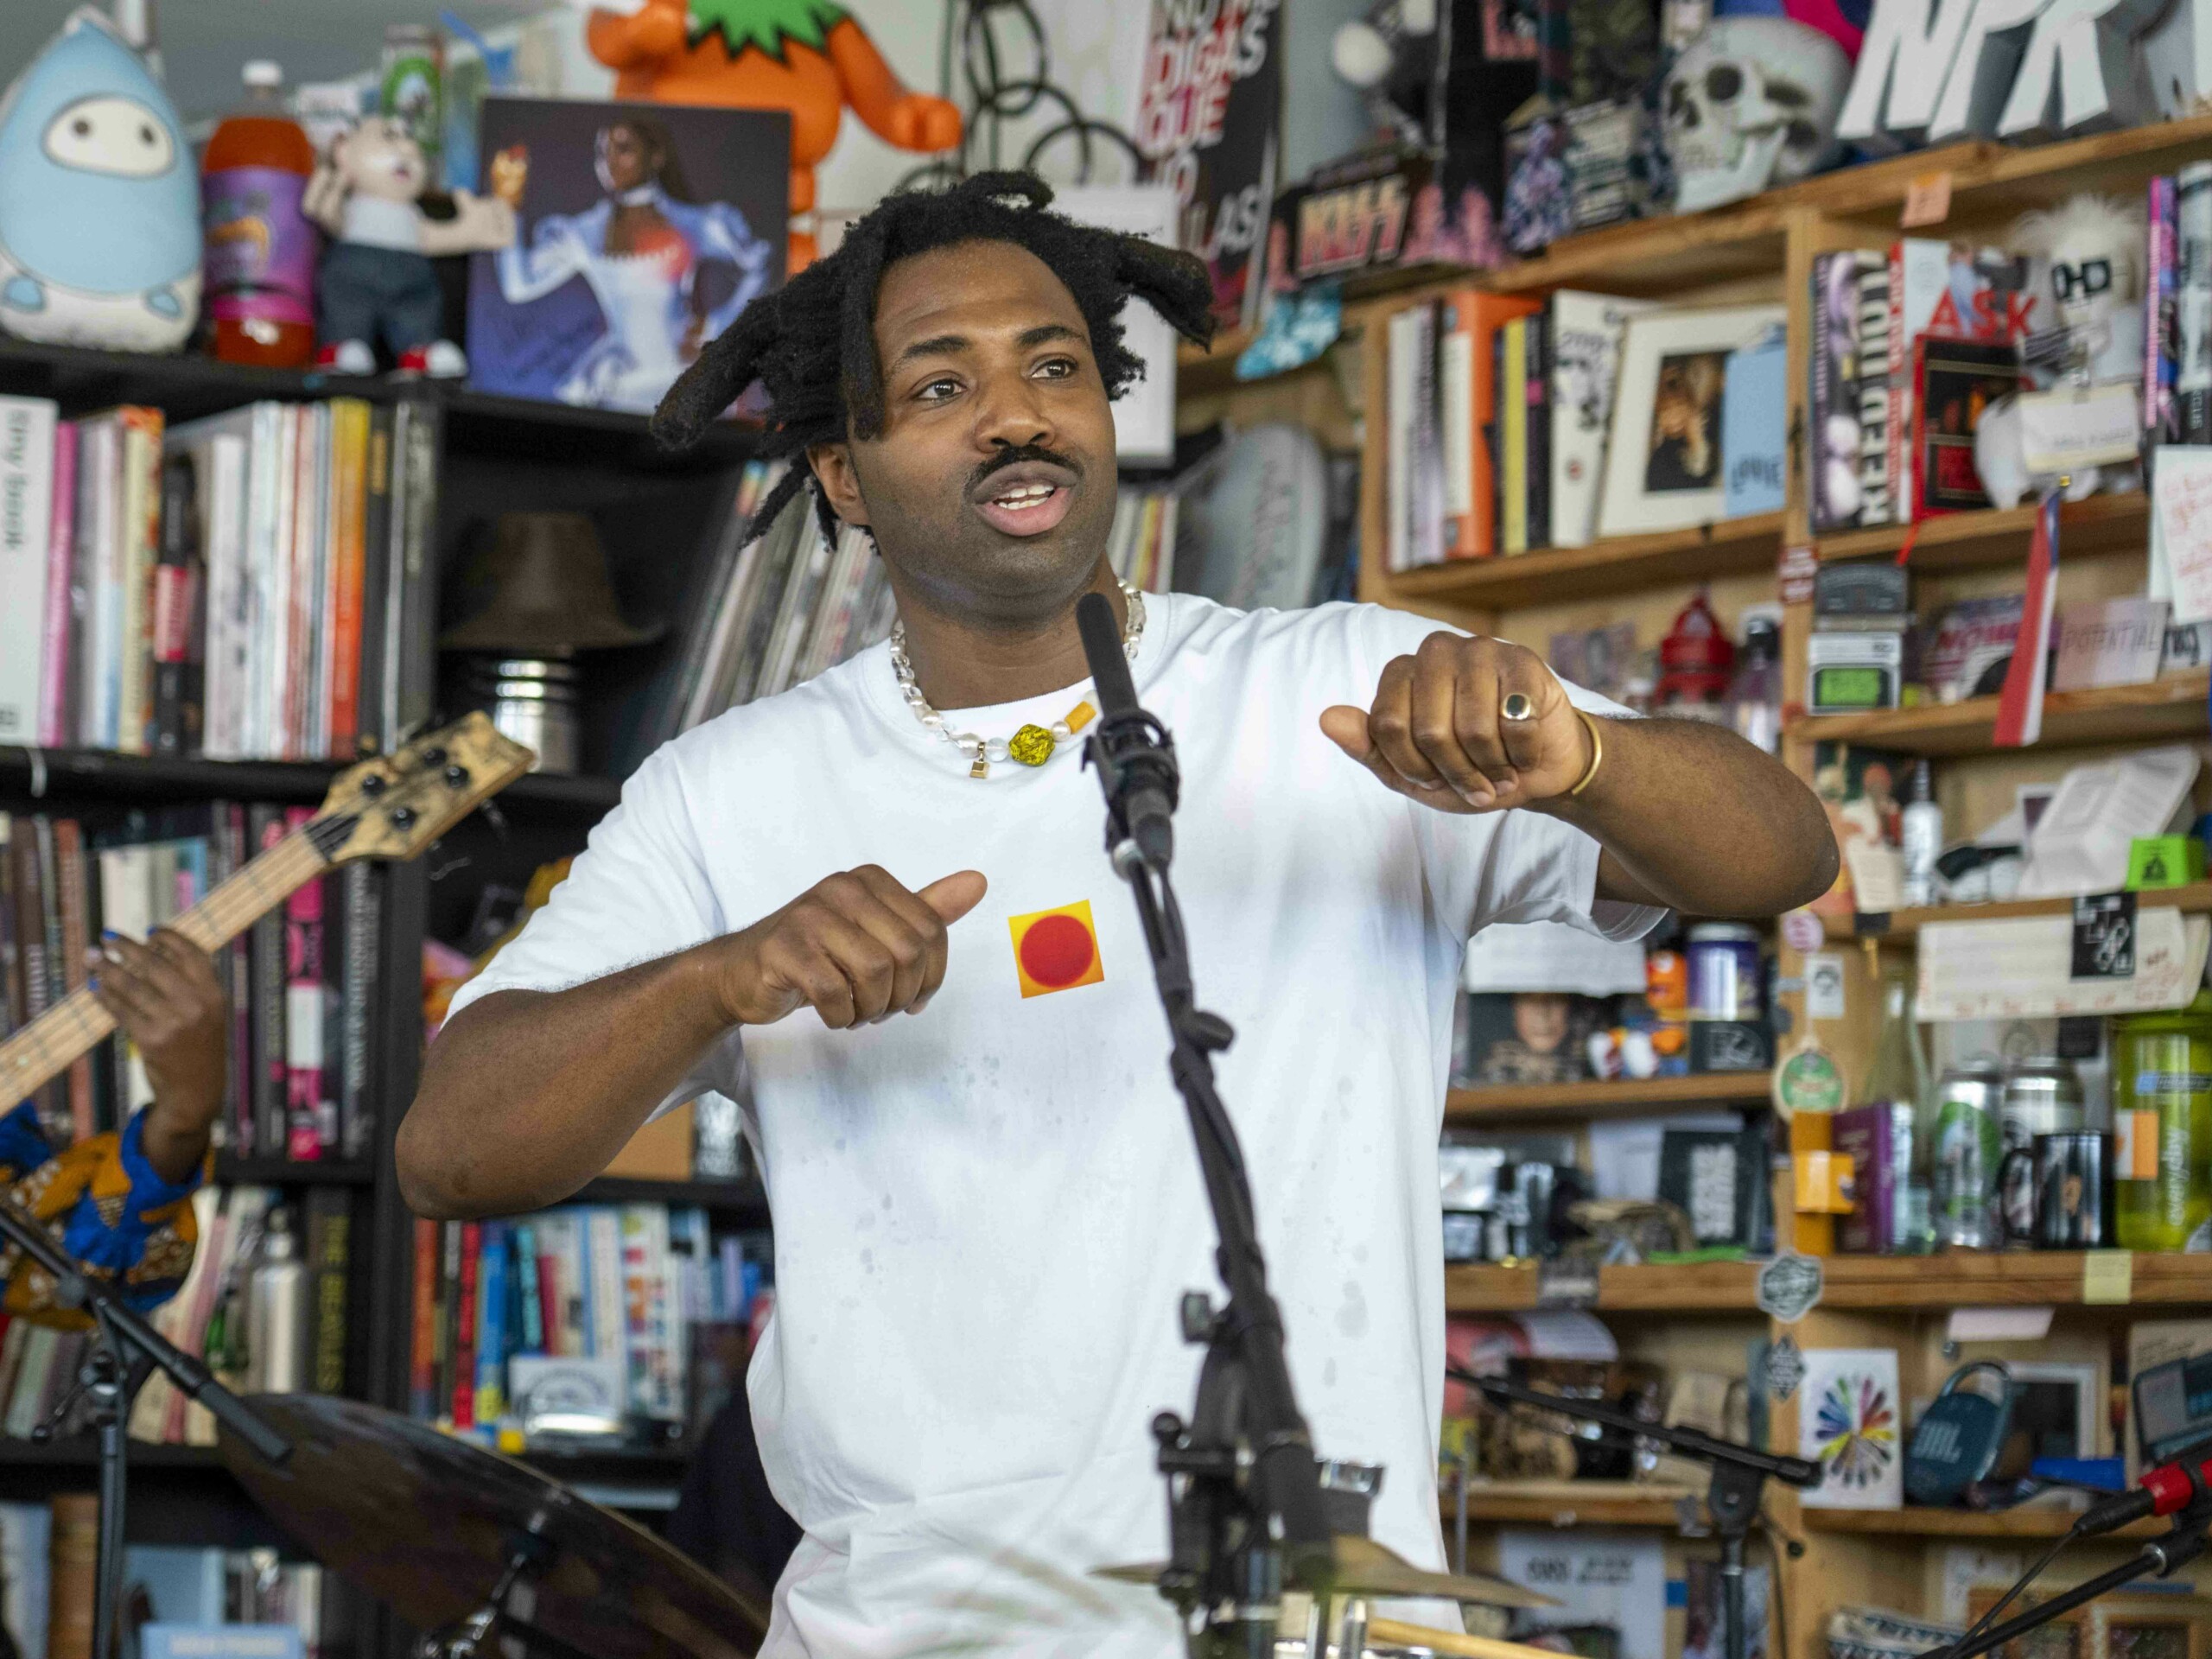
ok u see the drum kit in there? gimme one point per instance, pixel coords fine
(489, 1557)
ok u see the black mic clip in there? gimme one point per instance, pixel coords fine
(1136, 758)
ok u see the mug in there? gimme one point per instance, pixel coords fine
(2058, 1197)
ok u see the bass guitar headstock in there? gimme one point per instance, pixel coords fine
(396, 804)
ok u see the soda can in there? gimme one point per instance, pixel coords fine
(1969, 1144)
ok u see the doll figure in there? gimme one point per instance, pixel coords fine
(376, 278)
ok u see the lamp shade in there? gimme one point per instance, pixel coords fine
(549, 591)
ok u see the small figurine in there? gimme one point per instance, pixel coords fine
(99, 201)
(377, 277)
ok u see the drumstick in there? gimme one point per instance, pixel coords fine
(1392, 1633)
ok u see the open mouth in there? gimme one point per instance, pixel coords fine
(1025, 500)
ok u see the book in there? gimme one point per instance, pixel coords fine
(1954, 381)
(347, 598)
(26, 1551)
(178, 586)
(2160, 424)
(1755, 425)
(493, 1289)
(1585, 354)
(266, 951)
(1877, 505)
(1539, 418)
(2193, 302)
(26, 443)
(137, 550)
(328, 1241)
(75, 900)
(467, 1259)
(422, 1353)
(310, 1114)
(1832, 411)
(75, 1556)
(56, 706)
(360, 909)
(1513, 437)
(1940, 288)
(1467, 388)
(1878, 1140)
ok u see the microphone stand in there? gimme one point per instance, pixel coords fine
(2155, 1560)
(124, 1351)
(1739, 1477)
(1246, 1511)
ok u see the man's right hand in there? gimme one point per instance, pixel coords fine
(855, 948)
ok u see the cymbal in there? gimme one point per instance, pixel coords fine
(1365, 1567)
(428, 1524)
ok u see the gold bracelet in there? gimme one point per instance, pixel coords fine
(1597, 750)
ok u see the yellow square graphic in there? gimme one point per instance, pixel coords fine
(1056, 949)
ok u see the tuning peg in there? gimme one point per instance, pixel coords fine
(402, 818)
(374, 786)
(433, 756)
(457, 775)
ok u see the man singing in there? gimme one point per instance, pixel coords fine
(876, 910)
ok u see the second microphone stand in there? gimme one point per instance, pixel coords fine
(1739, 1477)
(125, 1349)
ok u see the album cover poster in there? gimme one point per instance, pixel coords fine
(1206, 113)
(643, 230)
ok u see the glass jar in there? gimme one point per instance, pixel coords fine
(2162, 1124)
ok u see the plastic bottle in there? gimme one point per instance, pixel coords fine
(1899, 1077)
(1921, 838)
(1755, 694)
(261, 247)
(276, 1311)
(2162, 1119)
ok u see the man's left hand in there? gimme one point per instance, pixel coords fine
(1438, 733)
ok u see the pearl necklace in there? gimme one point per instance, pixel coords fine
(1032, 746)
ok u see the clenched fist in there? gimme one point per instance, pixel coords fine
(1440, 731)
(855, 948)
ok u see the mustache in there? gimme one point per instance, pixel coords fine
(1016, 455)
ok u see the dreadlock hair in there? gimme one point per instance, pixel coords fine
(811, 344)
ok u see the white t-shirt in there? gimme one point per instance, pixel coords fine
(985, 1215)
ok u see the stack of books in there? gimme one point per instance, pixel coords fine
(233, 587)
(303, 983)
(625, 1286)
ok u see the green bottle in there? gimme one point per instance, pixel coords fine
(2162, 1128)
(1898, 1077)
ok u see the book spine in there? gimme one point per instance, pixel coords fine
(1820, 392)
(1875, 503)
(54, 700)
(362, 907)
(34, 874)
(1513, 401)
(469, 1258)
(2193, 300)
(491, 1369)
(304, 1058)
(329, 1242)
(140, 546)
(1896, 426)
(423, 1349)
(176, 604)
(417, 657)
(2158, 311)
(530, 1307)
(1540, 429)
(376, 577)
(442, 1347)
(349, 459)
(76, 937)
(26, 526)
(266, 951)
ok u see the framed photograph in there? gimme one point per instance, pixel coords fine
(2071, 1636)
(642, 231)
(2059, 1408)
(1666, 468)
(2152, 1625)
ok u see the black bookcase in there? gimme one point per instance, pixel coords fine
(660, 516)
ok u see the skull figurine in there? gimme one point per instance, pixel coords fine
(1753, 101)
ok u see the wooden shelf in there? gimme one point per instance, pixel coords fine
(2102, 525)
(2194, 898)
(1616, 565)
(100, 772)
(1571, 1503)
(2029, 1520)
(2170, 707)
(1600, 1098)
(1651, 255)
(286, 1172)
(1902, 1283)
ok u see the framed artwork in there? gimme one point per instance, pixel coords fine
(2071, 1636)
(1665, 465)
(2150, 1626)
(2059, 1407)
(1849, 1422)
(642, 231)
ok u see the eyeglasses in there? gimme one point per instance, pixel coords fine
(2091, 277)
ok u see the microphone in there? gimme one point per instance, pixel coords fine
(2169, 1488)
(1136, 758)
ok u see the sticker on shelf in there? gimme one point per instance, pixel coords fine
(1802, 930)
(1824, 981)
(1790, 1287)
(1808, 1079)
(2104, 936)
(1785, 1367)
(1927, 200)
(1566, 1281)
(2107, 1277)
(1795, 573)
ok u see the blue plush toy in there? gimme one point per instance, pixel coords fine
(100, 202)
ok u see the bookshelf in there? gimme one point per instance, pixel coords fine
(2194, 898)
(1701, 1315)
(1608, 1097)
(658, 516)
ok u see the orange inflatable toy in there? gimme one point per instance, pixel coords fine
(808, 57)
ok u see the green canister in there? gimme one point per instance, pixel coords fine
(2162, 1128)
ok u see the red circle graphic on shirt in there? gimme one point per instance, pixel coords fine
(1057, 950)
